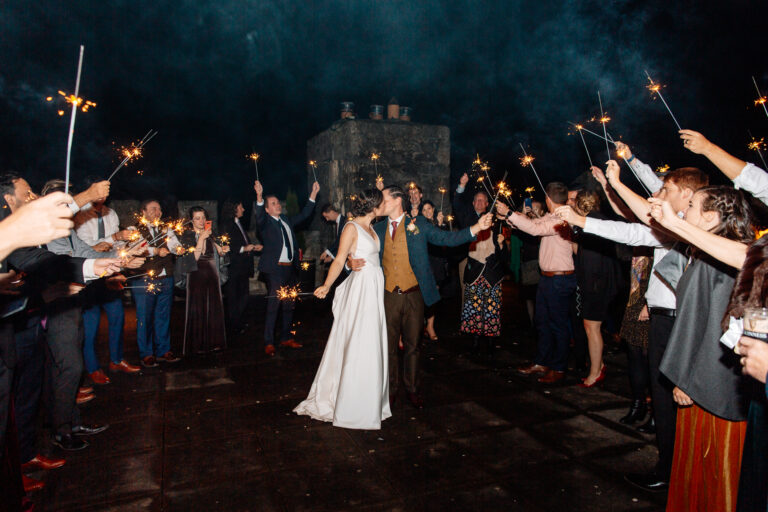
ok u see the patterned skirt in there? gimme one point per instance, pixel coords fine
(481, 310)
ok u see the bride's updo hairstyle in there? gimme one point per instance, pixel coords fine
(365, 202)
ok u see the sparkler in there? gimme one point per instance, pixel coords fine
(590, 132)
(313, 165)
(255, 158)
(662, 168)
(442, 191)
(604, 119)
(132, 152)
(304, 265)
(375, 157)
(498, 192)
(761, 100)
(75, 104)
(289, 293)
(526, 161)
(72, 99)
(449, 218)
(151, 275)
(656, 88)
(758, 145)
(578, 129)
(622, 154)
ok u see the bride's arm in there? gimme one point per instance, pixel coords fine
(346, 241)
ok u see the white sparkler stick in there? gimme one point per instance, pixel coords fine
(72, 118)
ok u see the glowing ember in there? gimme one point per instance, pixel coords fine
(526, 160)
(530, 190)
(305, 265)
(379, 179)
(253, 156)
(375, 156)
(411, 185)
(71, 99)
(757, 145)
(477, 160)
(313, 163)
(662, 168)
(442, 190)
(605, 119)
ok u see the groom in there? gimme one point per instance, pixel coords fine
(409, 284)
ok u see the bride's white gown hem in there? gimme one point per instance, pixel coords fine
(351, 387)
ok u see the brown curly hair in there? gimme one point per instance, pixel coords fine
(751, 287)
(736, 216)
(587, 201)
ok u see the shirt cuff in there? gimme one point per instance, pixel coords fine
(242, 249)
(459, 189)
(89, 274)
(259, 203)
(73, 207)
(151, 251)
(311, 200)
(329, 253)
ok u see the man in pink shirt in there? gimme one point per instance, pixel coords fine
(556, 287)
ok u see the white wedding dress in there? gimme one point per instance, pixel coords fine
(351, 387)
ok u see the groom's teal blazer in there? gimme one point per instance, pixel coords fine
(417, 250)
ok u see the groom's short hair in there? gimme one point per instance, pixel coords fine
(396, 192)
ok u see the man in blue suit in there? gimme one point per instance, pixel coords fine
(279, 262)
(409, 283)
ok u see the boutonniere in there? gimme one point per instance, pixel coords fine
(412, 228)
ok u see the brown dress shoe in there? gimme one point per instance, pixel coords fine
(532, 368)
(30, 484)
(84, 398)
(551, 377)
(149, 362)
(269, 350)
(124, 367)
(85, 389)
(99, 377)
(290, 343)
(168, 357)
(41, 462)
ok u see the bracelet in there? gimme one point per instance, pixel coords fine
(631, 158)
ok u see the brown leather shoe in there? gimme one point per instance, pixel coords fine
(41, 462)
(168, 357)
(100, 378)
(85, 389)
(290, 343)
(269, 350)
(551, 377)
(124, 367)
(30, 484)
(149, 362)
(532, 368)
(84, 398)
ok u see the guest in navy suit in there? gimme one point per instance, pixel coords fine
(279, 262)
(332, 216)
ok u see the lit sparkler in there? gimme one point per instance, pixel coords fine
(72, 118)
(579, 128)
(761, 100)
(289, 293)
(582, 128)
(603, 120)
(662, 169)
(498, 192)
(758, 145)
(304, 265)
(132, 152)
(442, 191)
(313, 165)
(255, 158)
(527, 161)
(530, 191)
(656, 88)
(83, 104)
(449, 218)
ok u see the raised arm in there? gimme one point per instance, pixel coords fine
(728, 251)
(347, 240)
(643, 171)
(638, 204)
(617, 205)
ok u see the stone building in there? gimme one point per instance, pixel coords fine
(408, 153)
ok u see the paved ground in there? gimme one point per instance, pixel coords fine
(218, 434)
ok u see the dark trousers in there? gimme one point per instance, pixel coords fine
(153, 316)
(236, 296)
(753, 480)
(284, 276)
(113, 307)
(637, 367)
(405, 317)
(11, 487)
(28, 384)
(553, 298)
(64, 366)
(664, 407)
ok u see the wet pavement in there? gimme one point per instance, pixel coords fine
(217, 433)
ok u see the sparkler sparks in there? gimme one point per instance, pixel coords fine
(656, 89)
(304, 265)
(662, 168)
(758, 145)
(254, 157)
(579, 129)
(442, 191)
(132, 152)
(77, 102)
(527, 161)
(761, 100)
(289, 293)
(603, 120)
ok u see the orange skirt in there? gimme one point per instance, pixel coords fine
(706, 463)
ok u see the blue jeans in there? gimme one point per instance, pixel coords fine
(553, 298)
(91, 319)
(153, 317)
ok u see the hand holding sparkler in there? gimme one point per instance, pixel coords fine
(464, 180)
(97, 192)
(695, 142)
(103, 267)
(569, 215)
(485, 222)
(599, 176)
(662, 212)
(315, 190)
(322, 291)
(259, 189)
(623, 150)
(612, 172)
(502, 210)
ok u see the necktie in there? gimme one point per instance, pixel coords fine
(245, 237)
(286, 241)
(394, 228)
(100, 233)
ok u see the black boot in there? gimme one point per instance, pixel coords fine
(636, 413)
(649, 427)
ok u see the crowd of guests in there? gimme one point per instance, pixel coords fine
(697, 364)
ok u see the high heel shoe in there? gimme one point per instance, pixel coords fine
(597, 381)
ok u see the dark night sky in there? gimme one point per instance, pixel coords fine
(218, 78)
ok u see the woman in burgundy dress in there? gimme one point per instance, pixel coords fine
(204, 329)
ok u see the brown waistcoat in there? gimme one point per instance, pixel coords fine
(397, 267)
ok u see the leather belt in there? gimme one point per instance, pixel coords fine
(663, 312)
(398, 291)
(283, 264)
(547, 273)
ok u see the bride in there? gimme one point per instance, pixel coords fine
(351, 387)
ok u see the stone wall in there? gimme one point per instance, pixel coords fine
(409, 152)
